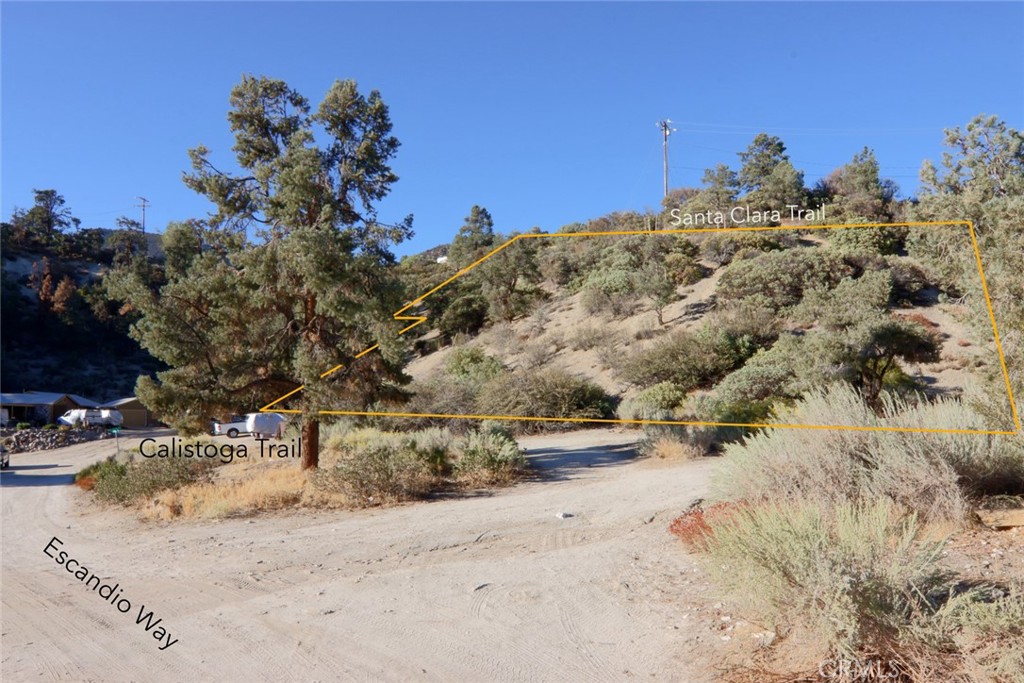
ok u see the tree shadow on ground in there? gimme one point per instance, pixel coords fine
(564, 463)
(13, 476)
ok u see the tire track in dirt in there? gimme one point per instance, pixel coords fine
(492, 588)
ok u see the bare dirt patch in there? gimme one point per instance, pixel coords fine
(570, 577)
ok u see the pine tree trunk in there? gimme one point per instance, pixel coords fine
(310, 444)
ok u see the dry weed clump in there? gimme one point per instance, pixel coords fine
(262, 489)
(587, 336)
(672, 449)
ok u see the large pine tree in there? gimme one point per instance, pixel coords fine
(291, 275)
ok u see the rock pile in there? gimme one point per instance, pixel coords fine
(25, 440)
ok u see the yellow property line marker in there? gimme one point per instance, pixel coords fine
(416, 320)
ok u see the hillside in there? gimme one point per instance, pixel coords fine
(727, 325)
(60, 330)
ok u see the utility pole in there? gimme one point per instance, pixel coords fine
(144, 204)
(666, 130)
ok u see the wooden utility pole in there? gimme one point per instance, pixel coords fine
(666, 130)
(144, 204)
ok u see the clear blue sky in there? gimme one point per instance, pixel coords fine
(544, 113)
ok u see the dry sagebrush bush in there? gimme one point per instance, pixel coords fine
(934, 475)
(587, 336)
(374, 467)
(854, 573)
(489, 457)
(865, 580)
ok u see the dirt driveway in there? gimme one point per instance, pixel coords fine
(571, 576)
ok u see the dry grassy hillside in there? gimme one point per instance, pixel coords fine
(559, 333)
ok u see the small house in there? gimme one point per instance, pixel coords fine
(41, 407)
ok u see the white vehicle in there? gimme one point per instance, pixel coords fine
(90, 417)
(265, 425)
(260, 424)
(232, 428)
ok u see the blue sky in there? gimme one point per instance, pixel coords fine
(542, 112)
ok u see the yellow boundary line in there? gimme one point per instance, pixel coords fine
(416, 320)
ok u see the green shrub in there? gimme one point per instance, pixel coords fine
(50, 426)
(848, 303)
(100, 469)
(374, 467)
(721, 247)
(656, 402)
(864, 580)
(127, 483)
(473, 364)
(853, 575)
(548, 393)
(884, 241)
(782, 277)
(689, 360)
(596, 300)
(465, 315)
(684, 270)
(23, 425)
(489, 457)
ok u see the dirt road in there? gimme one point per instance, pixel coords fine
(496, 587)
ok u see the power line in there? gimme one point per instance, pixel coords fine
(799, 133)
(814, 130)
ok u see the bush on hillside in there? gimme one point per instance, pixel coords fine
(885, 241)
(721, 247)
(587, 336)
(656, 402)
(689, 360)
(465, 315)
(782, 277)
(472, 364)
(550, 392)
(846, 304)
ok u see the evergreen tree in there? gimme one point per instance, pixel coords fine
(759, 160)
(242, 320)
(982, 180)
(856, 193)
(474, 239)
(768, 177)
